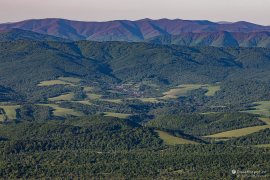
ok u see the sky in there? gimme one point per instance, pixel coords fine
(256, 11)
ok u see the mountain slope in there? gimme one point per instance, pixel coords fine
(19, 34)
(117, 62)
(124, 30)
(217, 39)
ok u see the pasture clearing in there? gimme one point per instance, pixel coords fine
(93, 96)
(173, 140)
(117, 115)
(116, 101)
(183, 90)
(211, 89)
(238, 132)
(9, 112)
(83, 102)
(263, 146)
(54, 82)
(261, 108)
(149, 100)
(88, 89)
(2, 117)
(70, 79)
(62, 112)
(63, 97)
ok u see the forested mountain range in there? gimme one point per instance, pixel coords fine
(164, 31)
(119, 62)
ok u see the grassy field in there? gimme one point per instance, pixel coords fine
(61, 81)
(116, 101)
(266, 120)
(261, 108)
(205, 113)
(88, 89)
(181, 90)
(118, 115)
(173, 140)
(211, 89)
(146, 100)
(263, 145)
(93, 96)
(184, 89)
(2, 117)
(83, 102)
(149, 100)
(55, 82)
(238, 132)
(10, 112)
(241, 132)
(70, 79)
(64, 97)
(62, 112)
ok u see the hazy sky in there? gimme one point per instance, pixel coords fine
(257, 11)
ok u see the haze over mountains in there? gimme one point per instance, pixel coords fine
(163, 31)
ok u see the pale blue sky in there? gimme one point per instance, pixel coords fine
(257, 11)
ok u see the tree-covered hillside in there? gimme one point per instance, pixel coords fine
(107, 148)
(119, 110)
(116, 62)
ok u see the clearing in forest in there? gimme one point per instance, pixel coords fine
(173, 140)
(261, 108)
(8, 112)
(117, 115)
(184, 90)
(63, 97)
(238, 132)
(62, 112)
(71, 81)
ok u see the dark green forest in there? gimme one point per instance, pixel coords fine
(112, 148)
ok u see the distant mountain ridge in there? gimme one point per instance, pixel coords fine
(177, 31)
(19, 34)
(216, 39)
